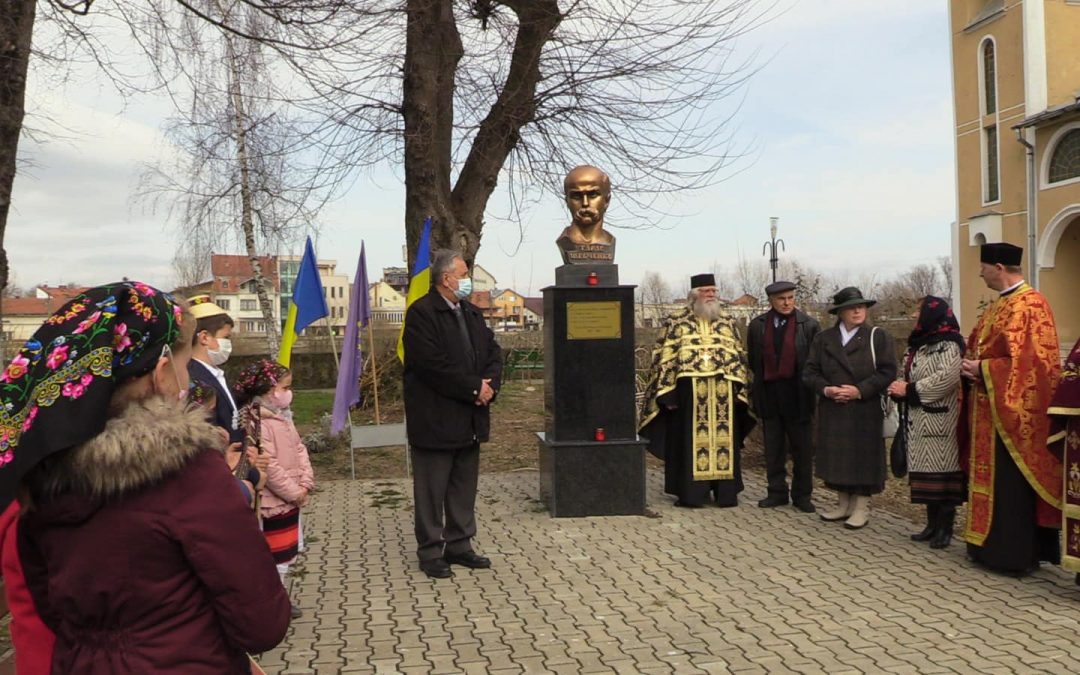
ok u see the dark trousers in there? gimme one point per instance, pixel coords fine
(444, 496)
(796, 433)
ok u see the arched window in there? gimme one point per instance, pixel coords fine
(989, 77)
(1065, 162)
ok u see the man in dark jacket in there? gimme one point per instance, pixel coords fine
(778, 343)
(452, 372)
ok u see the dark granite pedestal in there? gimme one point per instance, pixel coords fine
(592, 462)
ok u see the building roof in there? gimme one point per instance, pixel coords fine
(236, 269)
(63, 292)
(42, 307)
(1050, 114)
(991, 9)
(482, 299)
(535, 305)
(745, 300)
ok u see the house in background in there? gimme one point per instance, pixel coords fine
(534, 314)
(335, 288)
(1016, 83)
(387, 304)
(508, 310)
(233, 288)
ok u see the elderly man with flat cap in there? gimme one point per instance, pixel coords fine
(777, 345)
(695, 413)
(1011, 369)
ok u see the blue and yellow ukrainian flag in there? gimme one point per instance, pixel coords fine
(419, 282)
(308, 303)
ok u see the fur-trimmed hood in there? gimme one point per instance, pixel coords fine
(142, 445)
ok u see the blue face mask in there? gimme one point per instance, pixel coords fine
(464, 288)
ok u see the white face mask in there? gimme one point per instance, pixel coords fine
(166, 353)
(464, 288)
(221, 354)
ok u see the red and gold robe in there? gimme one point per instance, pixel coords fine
(1065, 442)
(1017, 343)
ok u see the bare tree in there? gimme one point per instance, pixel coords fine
(654, 290)
(945, 267)
(751, 276)
(16, 29)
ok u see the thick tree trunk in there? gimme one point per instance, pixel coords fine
(16, 29)
(432, 51)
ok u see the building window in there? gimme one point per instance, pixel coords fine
(989, 77)
(224, 304)
(248, 306)
(992, 193)
(1065, 162)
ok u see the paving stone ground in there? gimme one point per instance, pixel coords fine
(742, 590)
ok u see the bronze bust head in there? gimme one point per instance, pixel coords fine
(588, 193)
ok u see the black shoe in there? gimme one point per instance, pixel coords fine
(468, 559)
(683, 505)
(436, 568)
(931, 528)
(946, 520)
(805, 505)
(772, 501)
(295, 612)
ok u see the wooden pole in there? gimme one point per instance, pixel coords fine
(374, 370)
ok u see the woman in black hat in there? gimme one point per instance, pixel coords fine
(849, 368)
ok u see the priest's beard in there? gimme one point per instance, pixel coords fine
(708, 310)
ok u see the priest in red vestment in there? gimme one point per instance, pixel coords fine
(1012, 369)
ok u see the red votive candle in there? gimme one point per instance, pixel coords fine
(599, 434)
(592, 279)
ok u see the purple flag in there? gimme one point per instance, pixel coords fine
(347, 393)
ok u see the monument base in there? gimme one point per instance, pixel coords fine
(582, 478)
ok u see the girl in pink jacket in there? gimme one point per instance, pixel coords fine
(264, 392)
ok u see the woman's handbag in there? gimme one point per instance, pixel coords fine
(899, 448)
(890, 416)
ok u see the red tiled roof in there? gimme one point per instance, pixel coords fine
(482, 299)
(42, 307)
(237, 270)
(745, 300)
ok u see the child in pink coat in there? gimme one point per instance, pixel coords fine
(264, 390)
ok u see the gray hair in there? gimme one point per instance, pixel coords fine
(442, 262)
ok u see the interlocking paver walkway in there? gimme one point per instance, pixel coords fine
(695, 591)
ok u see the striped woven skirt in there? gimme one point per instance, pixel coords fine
(283, 535)
(948, 487)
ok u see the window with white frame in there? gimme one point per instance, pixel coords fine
(1065, 158)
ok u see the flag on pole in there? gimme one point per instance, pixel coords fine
(347, 393)
(308, 303)
(420, 282)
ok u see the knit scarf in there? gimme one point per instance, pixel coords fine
(779, 366)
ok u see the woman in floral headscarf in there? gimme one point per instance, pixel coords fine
(138, 550)
(931, 389)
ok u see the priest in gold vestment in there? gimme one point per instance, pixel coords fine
(1012, 368)
(695, 411)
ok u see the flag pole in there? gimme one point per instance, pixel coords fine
(374, 370)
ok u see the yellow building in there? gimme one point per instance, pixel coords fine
(1016, 83)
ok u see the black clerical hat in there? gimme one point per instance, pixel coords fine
(1001, 254)
(699, 280)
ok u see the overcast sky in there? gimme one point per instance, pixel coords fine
(850, 115)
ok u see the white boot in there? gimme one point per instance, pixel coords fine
(860, 514)
(842, 510)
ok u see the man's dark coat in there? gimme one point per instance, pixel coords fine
(806, 328)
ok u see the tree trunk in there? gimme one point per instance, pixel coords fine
(432, 51)
(16, 29)
(247, 216)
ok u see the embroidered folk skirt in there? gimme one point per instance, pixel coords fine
(283, 535)
(946, 487)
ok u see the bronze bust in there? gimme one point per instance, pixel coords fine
(588, 192)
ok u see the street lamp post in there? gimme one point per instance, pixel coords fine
(770, 249)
